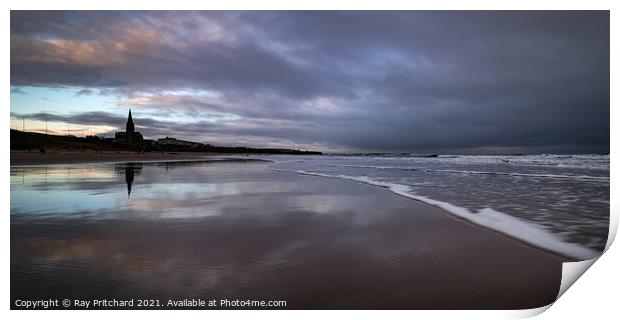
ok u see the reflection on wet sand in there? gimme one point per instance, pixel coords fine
(241, 231)
(130, 169)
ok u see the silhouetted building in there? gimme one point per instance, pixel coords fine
(130, 136)
(177, 142)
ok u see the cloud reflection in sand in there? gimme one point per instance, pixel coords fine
(231, 230)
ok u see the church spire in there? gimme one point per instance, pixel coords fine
(130, 127)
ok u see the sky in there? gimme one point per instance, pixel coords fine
(333, 81)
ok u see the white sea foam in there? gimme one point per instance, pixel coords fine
(487, 217)
(588, 162)
(536, 175)
(514, 174)
(370, 167)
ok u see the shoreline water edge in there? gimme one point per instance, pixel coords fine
(513, 227)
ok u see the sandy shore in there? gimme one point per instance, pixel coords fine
(67, 157)
(242, 231)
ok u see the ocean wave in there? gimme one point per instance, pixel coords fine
(370, 167)
(516, 174)
(536, 175)
(508, 225)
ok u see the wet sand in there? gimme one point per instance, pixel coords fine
(66, 157)
(264, 235)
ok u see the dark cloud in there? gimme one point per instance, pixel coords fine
(394, 81)
(204, 131)
(84, 92)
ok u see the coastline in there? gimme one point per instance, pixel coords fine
(420, 257)
(54, 158)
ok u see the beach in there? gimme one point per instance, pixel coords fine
(23, 157)
(238, 230)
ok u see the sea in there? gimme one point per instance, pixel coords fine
(559, 203)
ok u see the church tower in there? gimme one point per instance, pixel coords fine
(130, 127)
(130, 137)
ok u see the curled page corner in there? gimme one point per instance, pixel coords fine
(528, 313)
(571, 271)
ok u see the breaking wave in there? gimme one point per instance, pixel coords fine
(500, 222)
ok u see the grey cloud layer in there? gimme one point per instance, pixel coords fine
(394, 81)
